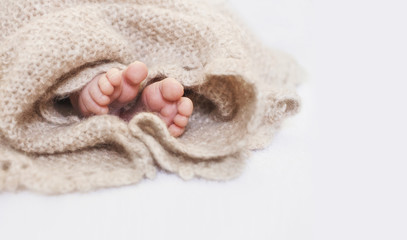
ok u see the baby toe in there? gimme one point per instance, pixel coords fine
(185, 106)
(175, 131)
(180, 120)
(171, 89)
(169, 110)
(90, 107)
(135, 73)
(114, 76)
(105, 86)
(97, 95)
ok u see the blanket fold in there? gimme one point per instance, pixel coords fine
(49, 49)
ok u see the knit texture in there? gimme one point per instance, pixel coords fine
(241, 92)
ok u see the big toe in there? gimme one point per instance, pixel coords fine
(171, 89)
(132, 76)
(135, 73)
(161, 94)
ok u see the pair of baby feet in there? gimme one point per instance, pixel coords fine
(111, 91)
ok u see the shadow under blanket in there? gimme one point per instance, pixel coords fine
(241, 92)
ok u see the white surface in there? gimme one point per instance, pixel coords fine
(360, 156)
(335, 171)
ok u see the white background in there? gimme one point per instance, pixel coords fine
(337, 170)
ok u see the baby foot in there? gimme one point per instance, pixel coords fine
(110, 91)
(165, 99)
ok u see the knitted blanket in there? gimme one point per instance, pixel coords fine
(241, 92)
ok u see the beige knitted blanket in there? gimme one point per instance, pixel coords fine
(241, 91)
